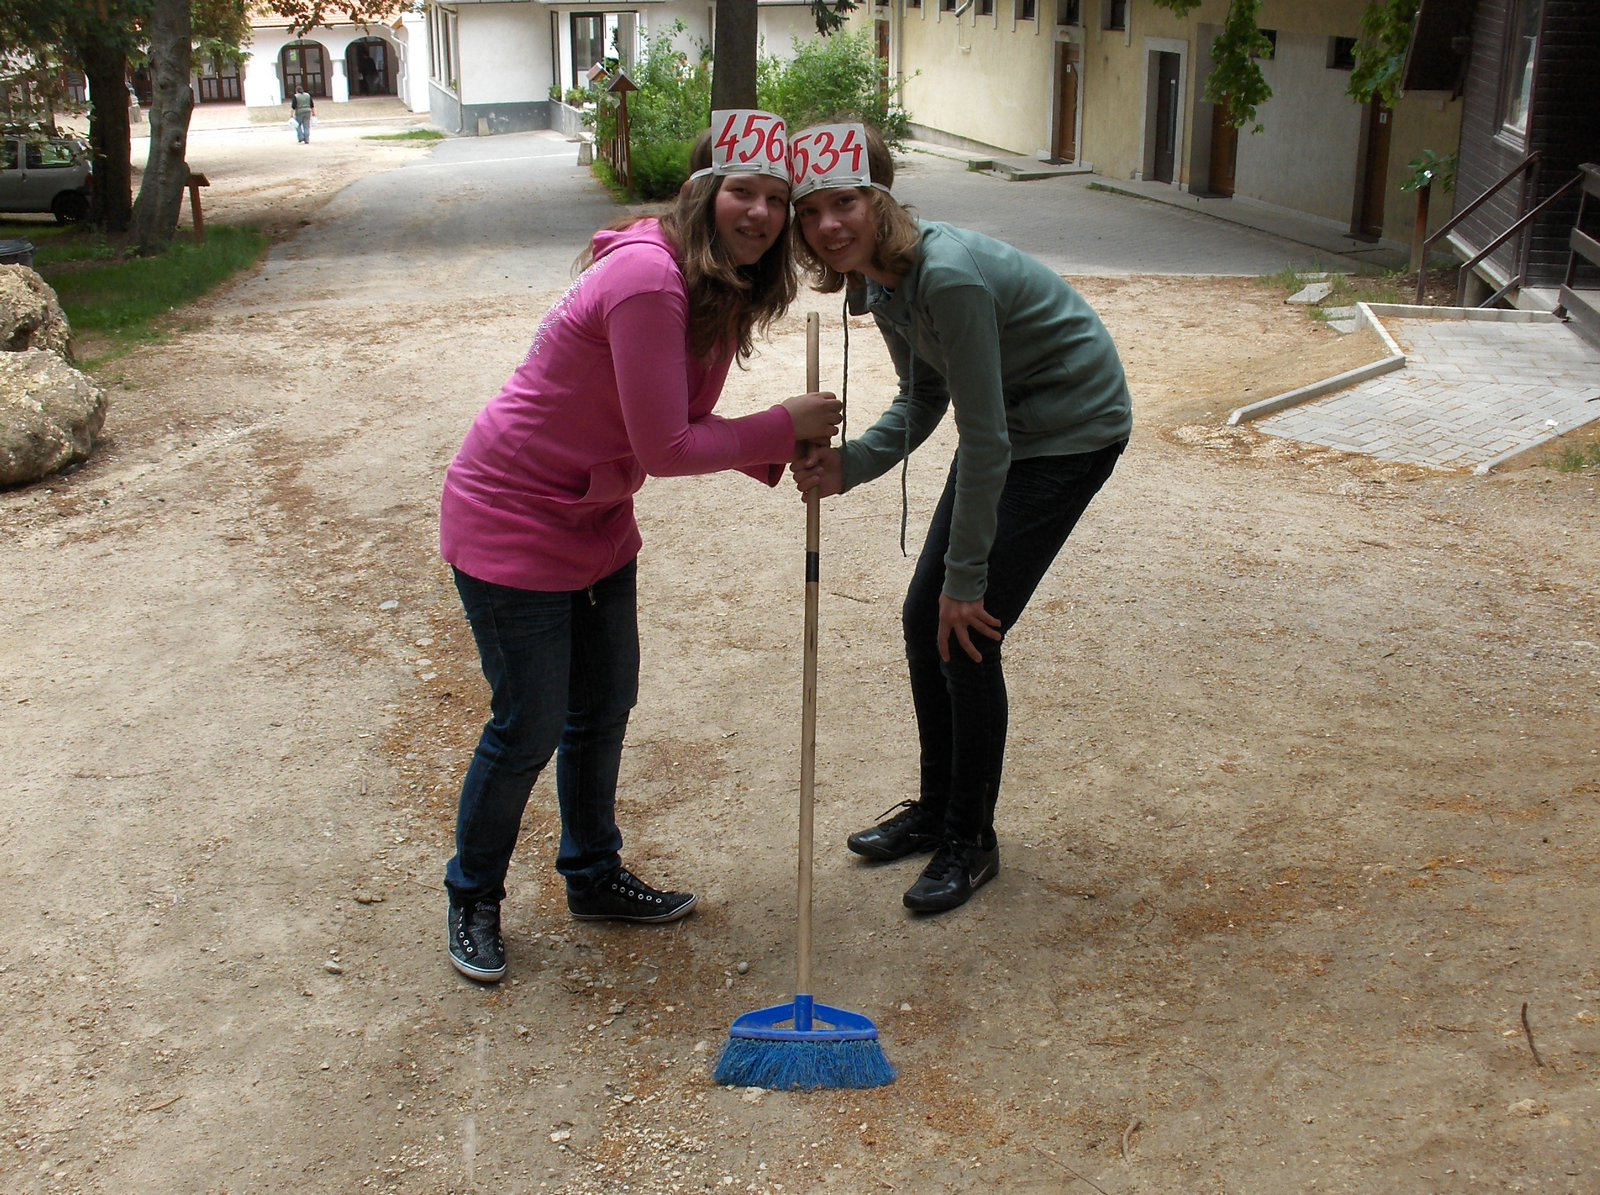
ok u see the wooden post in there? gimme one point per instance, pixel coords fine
(1419, 234)
(196, 181)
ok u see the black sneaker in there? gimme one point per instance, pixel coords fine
(623, 896)
(909, 832)
(956, 871)
(475, 945)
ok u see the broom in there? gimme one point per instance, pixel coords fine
(805, 1044)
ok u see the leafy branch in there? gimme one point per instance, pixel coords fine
(1380, 52)
(1236, 81)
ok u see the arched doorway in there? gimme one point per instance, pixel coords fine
(304, 65)
(370, 67)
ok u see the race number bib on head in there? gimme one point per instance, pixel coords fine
(829, 156)
(748, 141)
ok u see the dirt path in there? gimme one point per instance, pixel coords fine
(1300, 859)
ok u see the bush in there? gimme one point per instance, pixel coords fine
(835, 77)
(659, 168)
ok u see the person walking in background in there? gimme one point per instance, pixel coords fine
(537, 517)
(303, 106)
(1042, 413)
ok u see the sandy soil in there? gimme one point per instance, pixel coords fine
(1299, 850)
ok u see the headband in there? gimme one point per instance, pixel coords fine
(747, 141)
(829, 156)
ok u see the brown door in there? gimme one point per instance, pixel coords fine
(1224, 152)
(1066, 140)
(1374, 170)
(1166, 117)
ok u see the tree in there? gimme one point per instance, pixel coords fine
(733, 55)
(98, 37)
(166, 173)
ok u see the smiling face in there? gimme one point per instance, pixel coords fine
(841, 227)
(750, 212)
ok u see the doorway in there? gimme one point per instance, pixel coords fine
(368, 67)
(1224, 152)
(1065, 146)
(304, 67)
(1374, 171)
(1166, 131)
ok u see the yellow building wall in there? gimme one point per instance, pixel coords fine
(992, 80)
(980, 78)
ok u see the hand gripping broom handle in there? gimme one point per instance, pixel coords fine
(808, 693)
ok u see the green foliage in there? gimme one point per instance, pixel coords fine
(1236, 80)
(1180, 8)
(1429, 168)
(830, 18)
(1380, 52)
(120, 301)
(659, 168)
(839, 76)
(673, 102)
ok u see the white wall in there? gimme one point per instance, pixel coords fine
(508, 49)
(1312, 156)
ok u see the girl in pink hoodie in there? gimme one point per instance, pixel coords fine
(537, 516)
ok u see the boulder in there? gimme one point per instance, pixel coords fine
(30, 317)
(50, 415)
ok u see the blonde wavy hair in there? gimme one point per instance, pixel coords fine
(729, 304)
(897, 246)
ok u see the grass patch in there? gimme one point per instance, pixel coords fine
(408, 135)
(1575, 458)
(115, 302)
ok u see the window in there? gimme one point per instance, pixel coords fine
(1027, 10)
(1342, 54)
(1115, 14)
(1522, 52)
(8, 154)
(913, 3)
(986, 8)
(1069, 13)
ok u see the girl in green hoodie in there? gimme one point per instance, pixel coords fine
(1042, 414)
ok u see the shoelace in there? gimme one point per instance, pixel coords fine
(908, 806)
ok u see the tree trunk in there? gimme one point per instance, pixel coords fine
(166, 172)
(106, 69)
(733, 56)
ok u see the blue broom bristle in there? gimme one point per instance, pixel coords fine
(803, 1065)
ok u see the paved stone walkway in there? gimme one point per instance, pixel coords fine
(1473, 393)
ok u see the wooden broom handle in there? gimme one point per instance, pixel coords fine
(808, 692)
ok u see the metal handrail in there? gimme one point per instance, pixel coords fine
(1531, 162)
(1522, 273)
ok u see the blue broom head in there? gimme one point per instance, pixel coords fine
(803, 1046)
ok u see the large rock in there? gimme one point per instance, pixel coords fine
(30, 317)
(50, 414)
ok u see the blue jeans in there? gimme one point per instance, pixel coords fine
(563, 673)
(961, 706)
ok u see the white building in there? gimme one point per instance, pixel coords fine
(475, 66)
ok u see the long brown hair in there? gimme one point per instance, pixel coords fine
(728, 303)
(897, 245)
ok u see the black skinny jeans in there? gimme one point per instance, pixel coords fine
(961, 706)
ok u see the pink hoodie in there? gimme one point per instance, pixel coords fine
(540, 496)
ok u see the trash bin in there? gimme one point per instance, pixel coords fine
(16, 253)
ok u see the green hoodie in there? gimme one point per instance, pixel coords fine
(1029, 368)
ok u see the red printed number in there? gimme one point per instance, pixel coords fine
(758, 138)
